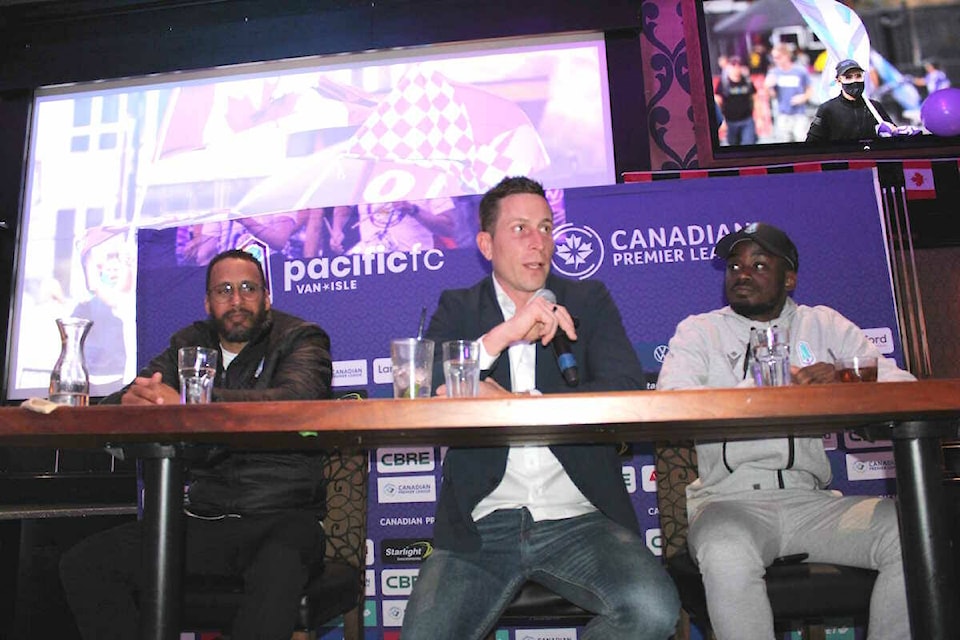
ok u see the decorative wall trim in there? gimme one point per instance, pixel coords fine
(666, 79)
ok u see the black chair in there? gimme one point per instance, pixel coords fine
(951, 480)
(335, 588)
(802, 595)
(536, 605)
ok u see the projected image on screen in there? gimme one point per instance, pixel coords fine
(273, 150)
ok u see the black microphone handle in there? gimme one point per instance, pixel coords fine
(568, 364)
(561, 346)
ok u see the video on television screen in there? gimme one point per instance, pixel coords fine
(769, 65)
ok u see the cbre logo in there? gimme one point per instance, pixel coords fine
(404, 460)
(654, 541)
(398, 582)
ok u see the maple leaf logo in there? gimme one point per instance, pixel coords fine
(917, 179)
(579, 251)
(575, 250)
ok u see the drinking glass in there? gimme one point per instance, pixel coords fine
(770, 349)
(857, 369)
(461, 368)
(198, 368)
(412, 361)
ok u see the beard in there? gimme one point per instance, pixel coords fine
(758, 300)
(754, 310)
(240, 332)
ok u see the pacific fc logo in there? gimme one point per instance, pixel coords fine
(579, 251)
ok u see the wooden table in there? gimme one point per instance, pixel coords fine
(916, 416)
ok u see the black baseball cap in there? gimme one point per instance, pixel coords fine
(846, 65)
(767, 236)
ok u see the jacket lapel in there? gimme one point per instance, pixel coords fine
(491, 316)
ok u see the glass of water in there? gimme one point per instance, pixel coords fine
(771, 356)
(461, 368)
(198, 368)
(412, 360)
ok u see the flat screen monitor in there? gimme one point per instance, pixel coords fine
(109, 158)
(748, 40)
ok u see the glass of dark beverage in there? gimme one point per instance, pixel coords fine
(857, 369)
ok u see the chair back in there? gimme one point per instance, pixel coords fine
(340, 588)
(345, 522)
(676, 467)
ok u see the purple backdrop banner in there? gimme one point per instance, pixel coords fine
(651, 243)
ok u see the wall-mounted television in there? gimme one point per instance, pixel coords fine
(750, 33)
(183, 149)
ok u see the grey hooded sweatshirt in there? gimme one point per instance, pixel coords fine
(708, 350)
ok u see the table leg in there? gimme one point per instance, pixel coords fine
(162, 550)
(932, 595)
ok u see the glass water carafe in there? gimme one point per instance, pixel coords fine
(69, 380)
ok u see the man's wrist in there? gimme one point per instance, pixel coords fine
(486, 357)
(493, 343)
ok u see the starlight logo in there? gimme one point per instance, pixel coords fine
(579, 251)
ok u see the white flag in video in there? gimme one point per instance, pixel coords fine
(841, 31)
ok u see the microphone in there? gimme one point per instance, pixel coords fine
(561, 346)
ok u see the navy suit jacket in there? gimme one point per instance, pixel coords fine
(606, 361)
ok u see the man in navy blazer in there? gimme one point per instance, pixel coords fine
(557, 515)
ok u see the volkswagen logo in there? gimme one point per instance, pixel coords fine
(660, 352)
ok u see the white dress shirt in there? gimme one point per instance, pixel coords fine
(534, 478)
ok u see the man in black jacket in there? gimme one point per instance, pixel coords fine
(557, 515)
(847, 116)
(255, 514)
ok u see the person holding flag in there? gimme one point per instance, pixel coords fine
(849, 115)
(841, 31)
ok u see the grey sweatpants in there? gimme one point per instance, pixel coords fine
(734, 538)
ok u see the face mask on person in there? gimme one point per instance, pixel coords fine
(853, 89)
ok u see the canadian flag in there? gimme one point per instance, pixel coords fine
(918, 176)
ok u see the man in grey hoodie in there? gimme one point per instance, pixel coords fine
(756, 500)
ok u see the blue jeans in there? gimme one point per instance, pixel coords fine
(589, 560)
(741, 132)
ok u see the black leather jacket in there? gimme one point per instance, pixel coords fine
(289, 359)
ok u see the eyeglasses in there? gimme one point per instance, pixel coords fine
(224, 292)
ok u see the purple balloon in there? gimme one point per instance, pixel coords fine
(940, 112)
